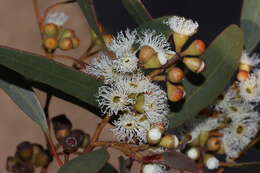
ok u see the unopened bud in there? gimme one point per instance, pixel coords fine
(153, 168)
(193, 153)
(145, 54)
(67, 33)
(203, 137)
(175, 93)
(65, 44)
(25, 151)
(138, 106)
(213, 144)
(242, 75)
(50, 43)
(196, 48)
(23, 167)
(211, 162)
(179, 41)
(62, 127)
(40, 157)
(108, 38)
(75, 42)
(10, 163)
(196, 65)
(51, 30)
(245, 67)
(169, 141)
(154, 135)
(175, 75)
(72, 142)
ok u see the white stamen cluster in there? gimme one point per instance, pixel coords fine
(58, 18)
(250, 60)
(128, 94)
(154, 168)
(182, 26)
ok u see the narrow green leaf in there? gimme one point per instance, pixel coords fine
(25, 98)
(40, 69)
(137, 10)
(86, 163)
(88, 9)
(250, 23)
(245, 165)
(123, 165)
(222, 60)
(108, 168)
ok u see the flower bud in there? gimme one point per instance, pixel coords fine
(175, 75)
(245, 67)
(138, 106)
(153, 168)
(25, 151)
(153, 62)
(193, 153)
(169, 141)
(50, 43)
(65, 44)
(51, 30)
(145, 54)
(203, 138)
(108, 38)
(22, 167)
(242, 75)
(72, 142)
(67, 33)
(179, 41)
(194, 64)
(62, 127)
(213, 144)
(154, 135)
(175, 93)
(210, 161)
(75, 42)
(196, 48)
(86, 141)
(40, 157)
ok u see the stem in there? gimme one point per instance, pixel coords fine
(37, 13)
(46, 108)
(97, 133)
(54, 151)
(66, 158)
(221, 170)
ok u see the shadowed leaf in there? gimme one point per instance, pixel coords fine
(108, 168)
(86, 163)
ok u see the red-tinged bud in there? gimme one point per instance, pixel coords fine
(175, 75)
(65, 44)
(242, 75)
(196, 48)
(245, 67)
(25, 151)
(196, 65)
(51, 30)
(108, 38)
(169, 141)
(174, 93)
(213, 144)
(67, 33)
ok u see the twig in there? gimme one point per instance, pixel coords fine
(46, 108)
(66, 158)
(97, 133)
(54, 151)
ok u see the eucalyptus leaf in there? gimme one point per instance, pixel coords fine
(88, 9)
(41, 69)
(108, 168)
(90, 162)
(137, 10)
(25, 98)
(123, 165)
(222, 59)
(250, 23)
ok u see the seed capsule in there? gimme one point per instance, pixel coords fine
(65, 44)
(50, 43)
(51, 30)
(175, 75)
(25, 151)
(67, 33)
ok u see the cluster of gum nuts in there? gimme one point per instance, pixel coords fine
(55, 36)
(171, 70)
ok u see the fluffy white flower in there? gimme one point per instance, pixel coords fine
(113, 99)
(154, 168)
(126, 63)
(182, 26)
(156, 41)
(240, 131)
(58, 18)
(103, 67)
(123, 42)
(250, 88)
(130, 128)
(249, 60)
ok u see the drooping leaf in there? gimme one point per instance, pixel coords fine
(222, 59)
(24, 97)
(245, 165)
(137, 10)
(179, 161)
(40, 69)
(86, 163)
(88, 9)
(123, 165)
(250, 23)
(108, 168)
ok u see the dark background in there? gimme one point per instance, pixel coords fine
(212, 15)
